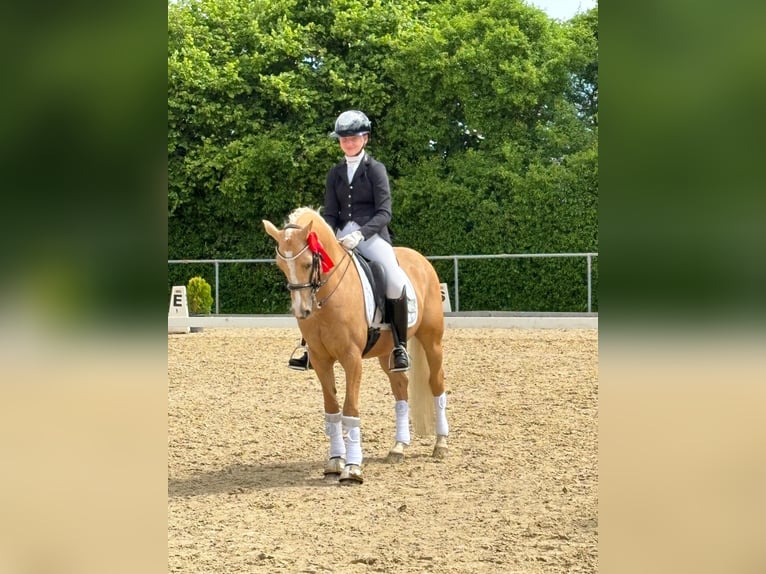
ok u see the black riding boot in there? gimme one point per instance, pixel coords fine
(300, 363)
(397, 313)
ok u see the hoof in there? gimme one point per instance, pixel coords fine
(440, 450)
(334, 467)
(395, 457)
(352, 474)
(396, 454)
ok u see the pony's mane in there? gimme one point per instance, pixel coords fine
(297, 213)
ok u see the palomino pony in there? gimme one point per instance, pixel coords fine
(328, 301)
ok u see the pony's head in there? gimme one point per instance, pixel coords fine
(302, 257)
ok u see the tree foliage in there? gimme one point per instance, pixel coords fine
(484, 111)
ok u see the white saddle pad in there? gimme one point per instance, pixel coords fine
(369, 300)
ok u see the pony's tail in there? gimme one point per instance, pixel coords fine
(421, 399)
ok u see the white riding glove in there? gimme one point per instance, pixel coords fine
(352, 239)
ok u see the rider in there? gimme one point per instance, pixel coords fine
(357, 205)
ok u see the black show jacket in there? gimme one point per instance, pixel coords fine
(365, 200)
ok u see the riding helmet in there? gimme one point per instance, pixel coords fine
(351, 123)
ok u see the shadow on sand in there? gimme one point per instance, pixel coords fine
(241, 478)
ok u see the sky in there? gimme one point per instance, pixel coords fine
(563, 9)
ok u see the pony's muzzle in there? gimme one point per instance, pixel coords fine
(302, 305)
(303, 314)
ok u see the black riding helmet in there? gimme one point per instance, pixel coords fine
(351, 123)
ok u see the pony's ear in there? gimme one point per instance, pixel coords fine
(303, 233)
(271, 229)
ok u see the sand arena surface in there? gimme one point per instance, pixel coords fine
(518, 491)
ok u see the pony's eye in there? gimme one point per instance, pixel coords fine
(307, 266)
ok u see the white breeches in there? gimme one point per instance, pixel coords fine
(378, 249)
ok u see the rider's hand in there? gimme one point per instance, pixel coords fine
(352, 239)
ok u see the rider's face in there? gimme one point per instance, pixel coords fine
(352, 145)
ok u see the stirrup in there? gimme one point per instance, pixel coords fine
(404, 360)
(300, 363)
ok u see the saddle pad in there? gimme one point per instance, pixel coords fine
(369, 300)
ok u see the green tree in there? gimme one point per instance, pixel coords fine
(484, 111)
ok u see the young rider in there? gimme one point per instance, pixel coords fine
(357, 205)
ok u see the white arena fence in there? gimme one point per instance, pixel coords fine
(455, 265)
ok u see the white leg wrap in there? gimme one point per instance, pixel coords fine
(402, 422)
(334, 431)
(352, 437)
(440, 408)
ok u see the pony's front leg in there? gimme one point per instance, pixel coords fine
(351, 423)
(336, 460)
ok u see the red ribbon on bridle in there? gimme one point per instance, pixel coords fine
(315, 246)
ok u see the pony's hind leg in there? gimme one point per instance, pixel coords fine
(440, 449)
(432, 346)
(398, 382)
(442, 427)
(402, 436)
(434, 356)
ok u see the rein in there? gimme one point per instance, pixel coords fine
(315, 282)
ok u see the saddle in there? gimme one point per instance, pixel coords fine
(375, 299)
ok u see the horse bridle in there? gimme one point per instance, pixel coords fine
(315, 282)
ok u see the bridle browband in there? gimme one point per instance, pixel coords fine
(315, 282)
